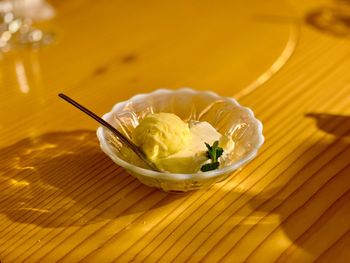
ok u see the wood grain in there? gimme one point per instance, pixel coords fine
(63, 200)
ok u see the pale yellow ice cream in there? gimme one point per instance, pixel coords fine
(161, 134)
(175, 146)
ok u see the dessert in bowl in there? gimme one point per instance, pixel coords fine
(209, 119)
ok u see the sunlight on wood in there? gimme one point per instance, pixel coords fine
(63, 199)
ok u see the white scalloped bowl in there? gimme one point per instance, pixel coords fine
(225, 114)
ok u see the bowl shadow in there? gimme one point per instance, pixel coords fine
(63, 179)
(324, 176)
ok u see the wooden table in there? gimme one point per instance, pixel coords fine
(62, 199)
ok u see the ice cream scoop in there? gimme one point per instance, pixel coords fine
(175, 146)
(161, 134)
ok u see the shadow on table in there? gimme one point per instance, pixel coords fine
(333, 19)
(323, 121)
(63, 179)
(327, 174)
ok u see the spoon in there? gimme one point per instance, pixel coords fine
(119, 135)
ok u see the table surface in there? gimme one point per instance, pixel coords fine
(62, 199)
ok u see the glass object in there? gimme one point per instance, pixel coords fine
(16, 28)
(225, 114)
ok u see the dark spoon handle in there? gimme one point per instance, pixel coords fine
(124, 140)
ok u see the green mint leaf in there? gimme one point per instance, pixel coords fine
(210, 166)
(215, 144)
(213, 153)
(219, 152)
(208, 146)
(214, 148)
(210, 151)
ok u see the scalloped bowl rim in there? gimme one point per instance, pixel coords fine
(105, 146)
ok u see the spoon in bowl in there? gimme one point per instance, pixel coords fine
(118, 134)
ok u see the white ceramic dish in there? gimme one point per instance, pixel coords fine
(224, 113)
